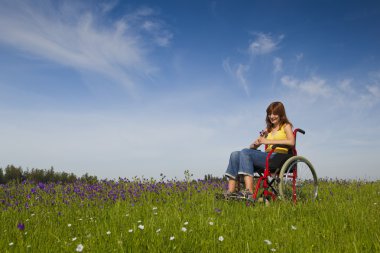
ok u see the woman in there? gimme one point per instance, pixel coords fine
(245, 162)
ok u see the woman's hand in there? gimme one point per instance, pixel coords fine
(262, 140)
(255, 144)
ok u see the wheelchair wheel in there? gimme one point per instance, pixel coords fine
(298, 180)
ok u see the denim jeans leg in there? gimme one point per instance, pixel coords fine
(250, 159)
(246, 163)
(233, 165)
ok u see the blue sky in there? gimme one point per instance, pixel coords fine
(139, 88)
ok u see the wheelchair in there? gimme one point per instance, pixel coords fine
(287, 177)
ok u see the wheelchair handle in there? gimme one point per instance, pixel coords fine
(299, 130)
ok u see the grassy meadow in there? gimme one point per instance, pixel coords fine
(146, 215)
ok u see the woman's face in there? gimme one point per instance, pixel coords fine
(274, 118)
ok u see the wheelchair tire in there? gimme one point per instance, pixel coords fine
(304, 187)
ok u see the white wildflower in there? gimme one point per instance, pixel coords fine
(69, 225)
(221, 238)
(158, 230)
(186, 223)
(184, 229)
(127, 215)
(11, 244)
(74, 239)
(108, 232)
(268, 242)
(211, 223)
(294, 227)
(141, 227)
(171, 238)
(130, 231)
(154, 208)
(139, 221)
(79, 248)
(273, 249)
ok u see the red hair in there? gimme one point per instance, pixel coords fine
(276, 108)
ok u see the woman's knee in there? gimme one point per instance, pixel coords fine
(246, 151)
(235, 155)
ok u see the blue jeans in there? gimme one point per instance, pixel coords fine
(245, 162)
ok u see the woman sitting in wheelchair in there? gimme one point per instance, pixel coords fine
(248, 161)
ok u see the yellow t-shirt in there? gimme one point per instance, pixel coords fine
(279, 135)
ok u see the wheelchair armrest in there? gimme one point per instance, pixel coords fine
(281, 146)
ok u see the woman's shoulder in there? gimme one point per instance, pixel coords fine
(287, 126)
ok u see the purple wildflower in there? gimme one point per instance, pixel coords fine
(21, 226)
(41, 185)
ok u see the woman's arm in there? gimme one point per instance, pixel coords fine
(255, 145)
(289, 138)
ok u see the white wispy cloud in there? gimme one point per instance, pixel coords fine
(299, 56)
(226, 66)
(79, 36)
(345, 85)
(264, 44)
(314, 86)
(373, 87)
(343, 93)
(160, 36)
(277, 65)
(239, 73)
(261, 45)
(372, 98)
(374, 90)
(108, 6)
(147, 20)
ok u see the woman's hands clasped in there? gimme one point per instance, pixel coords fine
(260, 140)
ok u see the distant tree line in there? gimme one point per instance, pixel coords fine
(210, 177)
(17, 174)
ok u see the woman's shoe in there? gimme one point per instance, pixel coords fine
(227, 195)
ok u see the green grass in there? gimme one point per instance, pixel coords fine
(344, 219)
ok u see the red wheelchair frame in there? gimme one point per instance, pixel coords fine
(289, 172)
